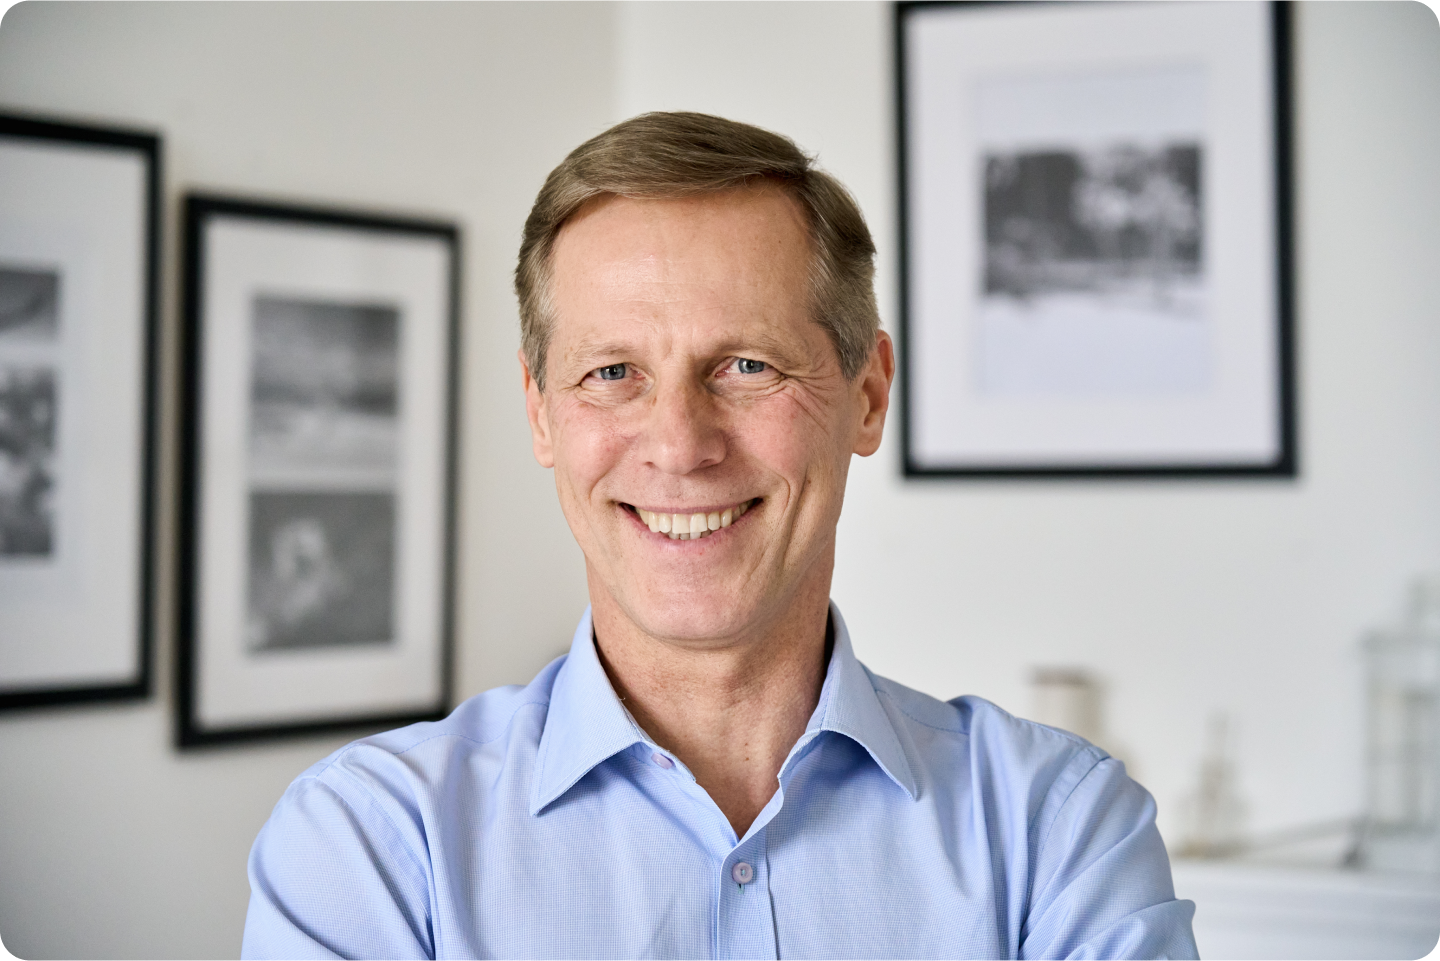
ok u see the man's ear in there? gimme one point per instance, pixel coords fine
(873, 384)
(538, 414)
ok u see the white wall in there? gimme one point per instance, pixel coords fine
(1187, 596)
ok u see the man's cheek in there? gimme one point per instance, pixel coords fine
(790, 441)
(589, 445)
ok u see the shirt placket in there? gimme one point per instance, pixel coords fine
(745, 916)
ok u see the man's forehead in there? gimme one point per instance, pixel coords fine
(713, 259)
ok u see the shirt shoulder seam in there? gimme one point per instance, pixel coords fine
(379, 809)
(416, 862)
(393, 752)
(1050, 827)
(1095, 762)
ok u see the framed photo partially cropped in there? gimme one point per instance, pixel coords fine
(79, 233)
(318, 456)
(1096, 241)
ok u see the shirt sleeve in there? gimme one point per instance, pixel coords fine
(1102, 886)
(333, 876)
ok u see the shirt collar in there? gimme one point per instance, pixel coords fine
(849, 705)
(586, 724)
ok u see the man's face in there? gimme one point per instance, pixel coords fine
(685, 379)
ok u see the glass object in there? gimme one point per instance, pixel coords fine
(1401, 828)
(1214, 813)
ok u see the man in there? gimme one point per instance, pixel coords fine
(709, 772)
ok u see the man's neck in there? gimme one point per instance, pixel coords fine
(730, 713)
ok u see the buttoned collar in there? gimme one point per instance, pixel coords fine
(586, 724)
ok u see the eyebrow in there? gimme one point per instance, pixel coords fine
(586, 354)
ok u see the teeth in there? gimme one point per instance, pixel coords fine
(691, 527)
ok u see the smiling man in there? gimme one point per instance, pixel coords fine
(709, 772)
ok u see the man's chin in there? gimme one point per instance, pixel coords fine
(692, 619)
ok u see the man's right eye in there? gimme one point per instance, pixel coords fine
(613, 372)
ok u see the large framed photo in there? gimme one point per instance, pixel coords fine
(317, 477)
(1096, 241)
(79, 233)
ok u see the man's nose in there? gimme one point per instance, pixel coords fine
(683, 432)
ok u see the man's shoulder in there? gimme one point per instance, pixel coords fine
(988, 734)
(485, 723)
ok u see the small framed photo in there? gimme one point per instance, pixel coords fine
(79, 235)
(1096, 239)
(319, 392)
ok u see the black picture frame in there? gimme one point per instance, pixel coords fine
(1000, 437)
(377, 324)
(80, 213)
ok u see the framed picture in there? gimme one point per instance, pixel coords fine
(319, 386)
(1096, 239)
(79, 234)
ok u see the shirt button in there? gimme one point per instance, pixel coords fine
(742, 873)
(662, 761)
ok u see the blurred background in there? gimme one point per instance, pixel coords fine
(1209, 631)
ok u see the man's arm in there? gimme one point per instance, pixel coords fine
(1102, 886)
(334, 876)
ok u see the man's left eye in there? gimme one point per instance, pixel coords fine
(747, 366)
(613, 372)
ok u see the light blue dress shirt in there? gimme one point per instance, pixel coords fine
(542, 822)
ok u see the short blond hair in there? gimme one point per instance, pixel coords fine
(665, 155)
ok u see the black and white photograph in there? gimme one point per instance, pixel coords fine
(1090, 286)
(78, 285)
(322, 569)
(27, 461)
(324, 428)
(1093, 242)
(320, 348)
(29, 305)
(1094, 277)
(29, 393)
(326, 385)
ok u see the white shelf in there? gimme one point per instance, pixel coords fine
(1261, 912)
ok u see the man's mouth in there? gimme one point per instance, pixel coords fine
(692, 526)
